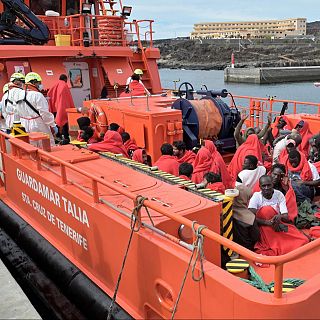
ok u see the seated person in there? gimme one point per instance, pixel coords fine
(277, 237)
(185, 170)
(251, 172)
(115, 127)
(299, 169)
(213, 181)
(183, 155)
(280, 182)
(280, 146)
(218, 165)
(314, 154)
(167, 162)
(303, 129)
(290, 145)
(237, 133)
(140, 155)
(112, 142)
(128, 143)
(202, 165)
(245, 227)
(281, 123)
(85, 133)
(251, 146)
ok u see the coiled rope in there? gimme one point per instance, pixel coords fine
(135, 219)
(199, 256)
(257, 282)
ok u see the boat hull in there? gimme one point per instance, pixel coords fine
(155, 266)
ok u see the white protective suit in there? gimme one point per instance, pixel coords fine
(2, 105)
(8, 106)
(29, 118)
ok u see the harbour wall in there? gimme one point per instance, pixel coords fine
(272, 75)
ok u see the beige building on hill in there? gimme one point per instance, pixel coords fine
(250, 29)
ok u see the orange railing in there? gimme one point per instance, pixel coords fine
(100, 30)
(259, 108)
(140, 29)
(19, 149)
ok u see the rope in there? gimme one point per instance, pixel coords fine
(198, 249)
(134, 219)
(257, 282)
(198, 246)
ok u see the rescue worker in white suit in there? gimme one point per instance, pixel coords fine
(16, 82)
(32, 107)
(5, 90)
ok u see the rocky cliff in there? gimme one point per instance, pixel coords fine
(216, 54)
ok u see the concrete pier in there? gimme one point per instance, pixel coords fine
(272, 75)
(13, 303)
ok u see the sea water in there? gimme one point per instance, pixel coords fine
(213, 79)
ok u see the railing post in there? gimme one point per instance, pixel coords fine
(278, 278)
(95, 191)
(227, 222)
(63, 174)
(151, 38)
(294, 108)
(251, 111)
(258, 109)
(3, 144)
(38, 158)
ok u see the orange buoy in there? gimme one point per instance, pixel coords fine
(98, 118)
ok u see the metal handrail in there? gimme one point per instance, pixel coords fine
(277, 261)
(258, 108)
(76, 26)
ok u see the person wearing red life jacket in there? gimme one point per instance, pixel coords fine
(202, 165)
(290, 145)
(185, 171)
(314, 154)
(281, 123)
(112, 142)
(60, 99)
(135, 87)
(213, 182)
(140, 155)
(280, 146)
(218, 165)
(86, 132)
(129, 143)
(280, 182)
(277, 236)
(250, 130)
(299, 172)
(167, 162)
(183, 155)
(303, 129)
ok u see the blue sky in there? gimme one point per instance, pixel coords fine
(174, 18)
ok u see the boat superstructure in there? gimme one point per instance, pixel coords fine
(96, 45)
